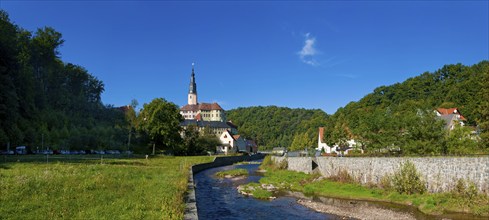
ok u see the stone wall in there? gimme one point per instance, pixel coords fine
(440, 173)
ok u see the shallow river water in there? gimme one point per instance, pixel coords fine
(219, 199)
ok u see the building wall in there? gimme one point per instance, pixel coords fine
(440, 173)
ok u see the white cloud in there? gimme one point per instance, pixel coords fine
(309, 51)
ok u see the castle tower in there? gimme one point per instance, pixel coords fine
(192, 92)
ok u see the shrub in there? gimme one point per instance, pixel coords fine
(267, 162)
(407, 180)
(283, 164)
(386, 182)
(465, 190)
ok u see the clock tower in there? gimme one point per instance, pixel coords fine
(192, 92)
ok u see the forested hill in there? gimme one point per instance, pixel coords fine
(451, 86)
(395, 116)
(45, 99)
(401, 115)
(273, 126)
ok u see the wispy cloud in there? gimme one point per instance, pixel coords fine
(309, 51)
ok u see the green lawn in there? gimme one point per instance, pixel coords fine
(90, 187)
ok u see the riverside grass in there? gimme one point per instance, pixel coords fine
(95, 188)
(429, 203)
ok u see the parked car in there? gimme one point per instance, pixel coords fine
(7, 152)
(21, 150)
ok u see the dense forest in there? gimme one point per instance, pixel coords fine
(397, 117)
(402, 115)
(273, 126)
(46, 101)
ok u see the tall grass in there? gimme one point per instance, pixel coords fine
(94, 189)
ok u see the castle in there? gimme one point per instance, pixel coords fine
(204, 115)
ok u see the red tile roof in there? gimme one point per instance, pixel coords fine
(202, 106)
(447, 111)
(125, 108)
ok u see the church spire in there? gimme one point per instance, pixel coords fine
(192, 92)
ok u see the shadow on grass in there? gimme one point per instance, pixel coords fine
(133, 163)
(4, 166)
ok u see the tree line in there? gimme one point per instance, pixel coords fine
(273, 126)
(44, 100)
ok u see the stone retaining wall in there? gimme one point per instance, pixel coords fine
(191, 202)
(440, 173)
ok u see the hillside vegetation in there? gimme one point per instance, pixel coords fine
(273, 126)
(399, 116)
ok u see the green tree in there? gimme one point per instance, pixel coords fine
(301, 142)
(161, 120)
(459, 141)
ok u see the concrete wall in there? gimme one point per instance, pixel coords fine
(224, 161)
(440, 173)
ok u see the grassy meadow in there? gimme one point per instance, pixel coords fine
(92, 187)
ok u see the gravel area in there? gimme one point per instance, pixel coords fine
(358, 212)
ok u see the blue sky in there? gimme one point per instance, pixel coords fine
(248, 53)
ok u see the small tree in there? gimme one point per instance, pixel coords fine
(407, 180)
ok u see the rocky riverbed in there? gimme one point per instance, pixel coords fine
(348, 209)
(357, 212)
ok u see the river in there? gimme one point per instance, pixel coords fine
(219, 199)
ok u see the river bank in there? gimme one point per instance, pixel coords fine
(462, 204)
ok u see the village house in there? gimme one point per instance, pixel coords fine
(350, 145)
(451, 116)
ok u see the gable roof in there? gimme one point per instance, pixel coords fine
(448, 111)
(198, 117)
(236, 137)
(228, 134)
(449, 119)
(202, 106)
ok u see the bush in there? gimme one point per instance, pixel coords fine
(283, 164)
(267, 162)
(386, 182)
(407, 180)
